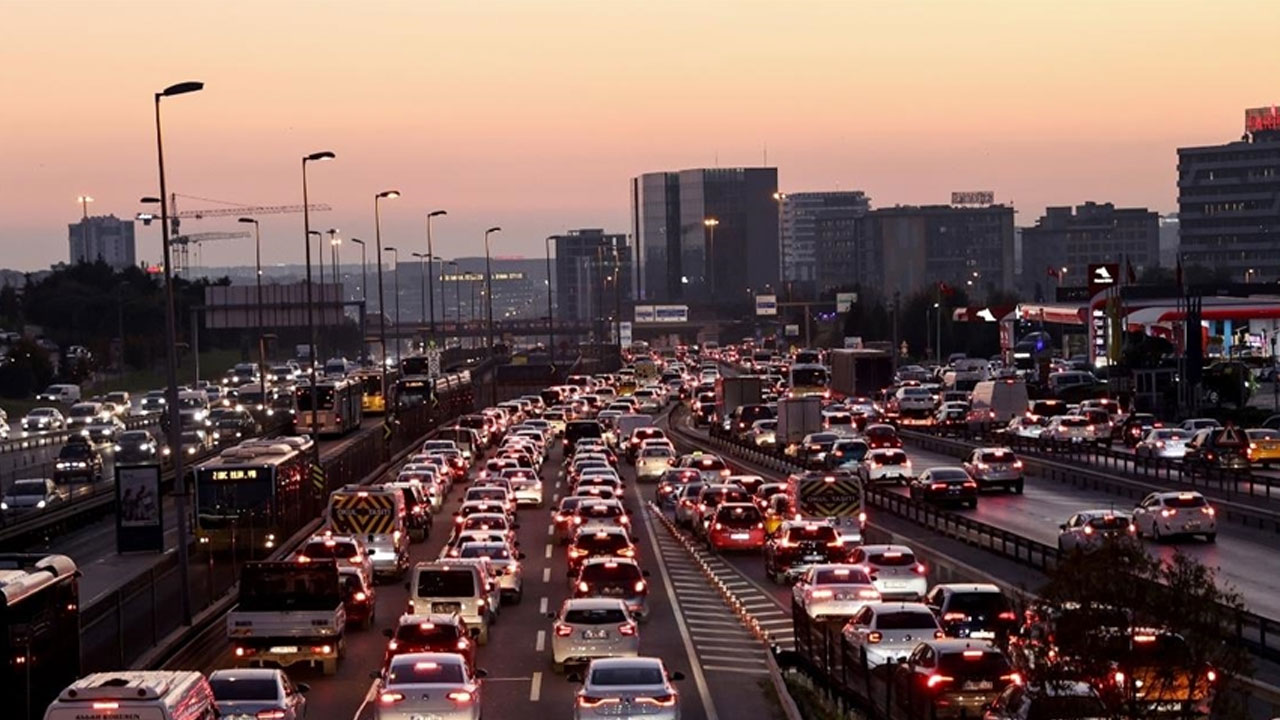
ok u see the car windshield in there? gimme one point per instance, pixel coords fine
(892, 558)
(1073, 422)
(973, 663)
(841, 576)
(43, 412)
(426, 633)
(1181, 434)
(610, 572)
(896, 457)
(1185, 501)
(595, 616)
(639, 675)
(446, 583)
(411, 672)
(233, 688)
(603, 543)
(997, 456)
(323, 549)
(489, 550)
(139, 436)
(1263, 434)
(28, 488)
(738, 514)
(906, 620)
(978, 603)
(946, 475)
(75, 451)
(811, 534)
(84, 411)
(1110, 522)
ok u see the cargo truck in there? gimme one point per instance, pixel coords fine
(798, 417)
(289, 613)
(860, 373)
(734, 392)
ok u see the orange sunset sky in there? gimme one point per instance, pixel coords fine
(534, 114)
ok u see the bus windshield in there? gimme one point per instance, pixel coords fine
(304, 397)
(222, 502)
(808, 377)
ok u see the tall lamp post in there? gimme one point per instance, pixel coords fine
(551, 320)
(457, 298)
(318, 350)
(364, 295)
(431, 285)
(395, 264)
(335, 244)
(422, 266)
(171, 371)
(488, 284)
(709, 266)
(262, 346)
(382, 315)
(311, 308)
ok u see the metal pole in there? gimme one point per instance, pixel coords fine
(488, 284)
(364, 298)
(382, 313)
(474, 313)
(431, 281)
(617, 298)
(171, 372)
(195, 348)
(551, 319)
(395, 253)
(897, 309)
(311, 306)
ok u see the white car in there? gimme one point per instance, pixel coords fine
(1089, 529)
(834, 591)
(652, 461)
(1163, 443)
(506, 563)
(915, 399)
(525, 485)
(612, 685)
(764, 433)
(884, 633)
(590, 628)
(257, 693)
(428, 685)
(885, 465)
(1068, 428)
(1163, 515)
(893, 569)
(1026, 426)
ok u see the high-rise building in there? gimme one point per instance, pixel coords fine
(910, 248)
(820, 236)
(706, 235)
(584, 270)
(1091, 233)
(102, 237)
(1229, 201)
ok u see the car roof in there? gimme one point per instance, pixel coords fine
(968, 587)
(247, 673)
(435, 618)
(593, 603)
(954, 645)
(887, 549)
(881, 607)
(626, 662)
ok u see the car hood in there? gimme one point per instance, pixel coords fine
(245, 707)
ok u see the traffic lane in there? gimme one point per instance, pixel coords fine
(1266, 490)
(1243, 557)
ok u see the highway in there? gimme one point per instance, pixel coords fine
(689, 627)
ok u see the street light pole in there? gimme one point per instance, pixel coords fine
(382, 315)
(457, 298)
(364, 298)
(422, 265)
(488, 284)
(395, 260)
(431, 283)
(171, 338)
(551, 318)
(709, 256)
(311, 308)
(84, 201)
(262, 347)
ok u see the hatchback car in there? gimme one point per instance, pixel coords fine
(972, 610)
(828, 592)
(429, 685)
(736, 526)
(1165, 515)
(346, 549)
(995, 467)
(652, 462)
(797, 546)
(615, 577)
(43, 419)
(1170, 443)
(952, 678)
(433, 632)
(885, 465)
(606, 543)
(627, 687)
(587, 628)
(1047, 701)
(893, 569)
(27, 494)
(884, 633)
(255, 693)
(1089, 530)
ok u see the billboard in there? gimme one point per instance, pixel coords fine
(479, 277)
(973, 197)
(139, 524)
(1262, 119)
(766, 305)
(624, 334)
(236, 306)
(671, 313)
(644, 314)
(1102, 276)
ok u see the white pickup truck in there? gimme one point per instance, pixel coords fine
(289, 613)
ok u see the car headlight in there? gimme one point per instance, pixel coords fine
(41, 504)
(116, 448)
(4, 505)
(85, 432)
(198, 416)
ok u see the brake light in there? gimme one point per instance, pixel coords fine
(106, 706)
(970, 484)
(1208, 511)
(1088, 529)
(1014, 678)
(936, 680)
(874, 637)
(587, 701)
(659, 700)
(821, 594)
(1118, 677)
(563, 630)
(920, 568)
(937, 486)
(627, 629)
(390, 698)
(1168, 512)
(360, 596)
(954, 616)
(869, 594)
(271, 714)
(972, 654)
(461, 697)
(583, 587)
(640, 586)
(1007, 615)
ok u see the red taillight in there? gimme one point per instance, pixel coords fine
(1118, 678)
(563, 630)
(821, 594)
(1208, 511)
(920, 569)
(640, 586)
(106, 706)
(936, 680)
(937, 486)
(390, 698)
(361, 596)
(627, 629)
(954, 617)
(272, 714)
(1015, 678)
(461, 697)
(1168, 512)
(1007, 615)
(584, 587)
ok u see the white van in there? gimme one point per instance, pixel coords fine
(125, 695)
(995, 402)
(62, 393)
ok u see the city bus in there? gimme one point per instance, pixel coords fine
(255, 495)
(39, 631)
(415, 365)
(808, 379)
(413, 391)
(371, 398)
(340, 406)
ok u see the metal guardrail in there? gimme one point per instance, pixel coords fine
(1259, 634)
(32, 442)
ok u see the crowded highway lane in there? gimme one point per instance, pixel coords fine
(517, 657)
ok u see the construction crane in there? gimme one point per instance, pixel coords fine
(182, 246)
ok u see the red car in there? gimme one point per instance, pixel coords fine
(437, 632)
(358, 596)
(736, 526)
(882, 436)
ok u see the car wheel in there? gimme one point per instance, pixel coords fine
(1017, 488)
(1155, 533)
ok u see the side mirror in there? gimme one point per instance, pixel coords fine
(304, 688)
(574, 677)
(388, 633)
(644, 573)
(520, 556)
(676, 676)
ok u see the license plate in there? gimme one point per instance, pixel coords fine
(982, 634)
(425, 716)
(595, 634)
(740, 536)
(984, 685)
(284, 649)
(895, 584)
(446, 607)
(814, 558)
(1193, 526)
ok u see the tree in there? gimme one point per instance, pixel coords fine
(1138, 628)
(26, 369)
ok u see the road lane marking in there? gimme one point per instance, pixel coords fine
(535, 688)
(744, 671)
(541, 643)
(549, 550)
(368, 698)
(542, 605)
(551, 529)
(694, 666)
(546, 575)
(732, 658)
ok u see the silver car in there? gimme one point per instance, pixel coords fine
(1068, 428)
(893, 569)
(590, 628)
(1163, 515)
(764, 433)
(439, 686)
(1090, 529)
(638, 687)
(995, 467)
(884, 633)
(31, 494)
(510, 575)
(1163, 443)
(253, 693)
(652, 462)
(834, 591)
(885, 465)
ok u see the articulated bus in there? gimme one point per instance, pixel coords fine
(340, 406)
(39, 631)
(255, 495)
(371, 399)
(808, 379)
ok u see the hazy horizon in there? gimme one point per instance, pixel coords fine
(534, 115)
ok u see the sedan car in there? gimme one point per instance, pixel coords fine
(627, 687)
(1264, 446)
(1068, 429)
(430, 632)
(587, 628)
(254, 693)
(1164, 515)
(884, 633)
(797, 546)
(77, 460)
(838, 591)
(435, 685)
(1089, 530)
(995, 467)
(138, 446)
(764, 434)
(29, 494)
(1026, 426)
(1168, 443)
(893, 569)
(952, 678)
(736, 526)
(885, 465)
(945, 485)
(43, 419)
(613, 543)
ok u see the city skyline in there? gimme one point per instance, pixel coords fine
(535, 116)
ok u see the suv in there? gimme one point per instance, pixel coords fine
(613, 577)
(441, 587)
(78, 460)
(346, 549)
(798, 545)
(612, 543)
(952, 678)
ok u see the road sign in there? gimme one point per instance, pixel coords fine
(387, 429)
(318, 477)
(845, 300)
(766, 305)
